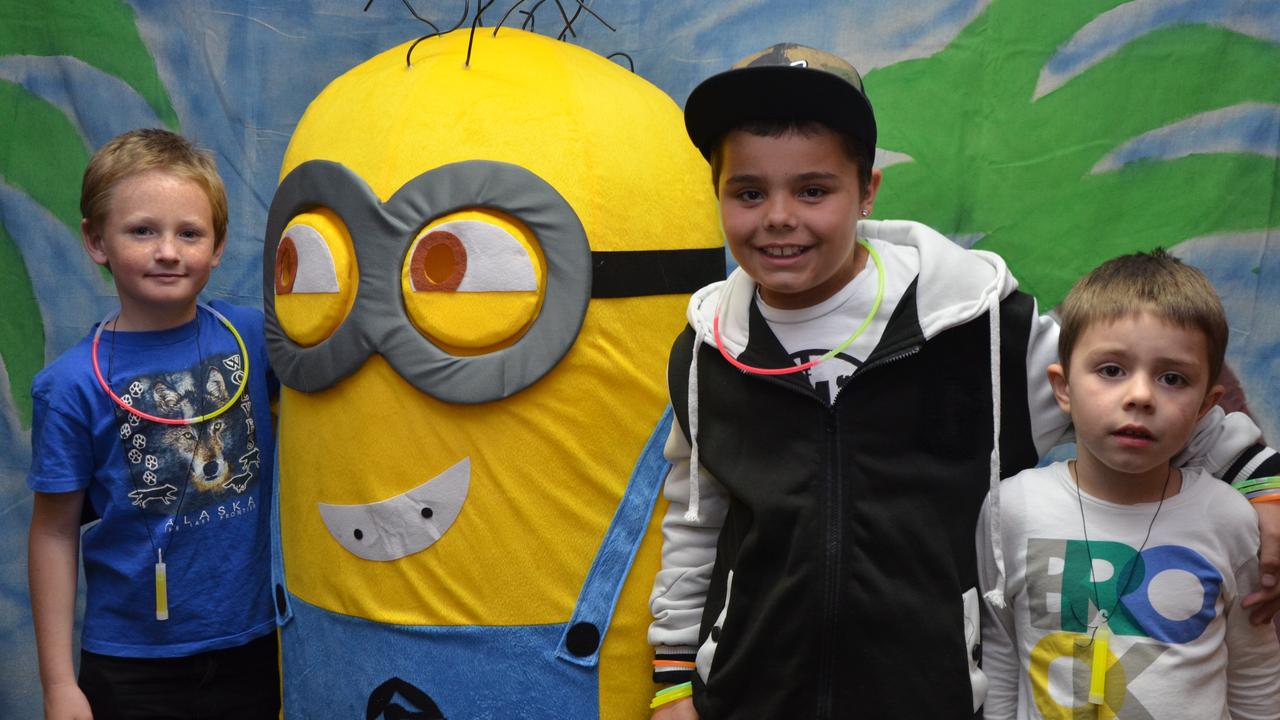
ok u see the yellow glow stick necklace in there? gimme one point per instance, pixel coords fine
(1100, 638)
(102, 381)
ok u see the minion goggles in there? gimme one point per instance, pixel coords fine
(377, 321)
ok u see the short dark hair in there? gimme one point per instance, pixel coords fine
(1155, 282)
(856, 150)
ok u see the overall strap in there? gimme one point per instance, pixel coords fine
(584, 634)
(284, 611)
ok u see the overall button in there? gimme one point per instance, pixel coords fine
(583, 639)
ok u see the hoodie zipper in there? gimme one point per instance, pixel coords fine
(834, 529)
(834, 542)
(832, 558)
(890, 359)
(834, 532)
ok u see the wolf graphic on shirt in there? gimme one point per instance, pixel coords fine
(215, 459)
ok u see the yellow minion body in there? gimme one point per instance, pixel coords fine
(548, 464)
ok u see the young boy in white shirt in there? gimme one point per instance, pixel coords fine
(1124, 572)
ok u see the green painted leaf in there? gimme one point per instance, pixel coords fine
(21, 332)
(50, 170)
(1049, 248)
(988, 158)
(102, 33)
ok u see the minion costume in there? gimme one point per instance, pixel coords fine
(472, 273)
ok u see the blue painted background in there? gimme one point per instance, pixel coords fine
(239, 74)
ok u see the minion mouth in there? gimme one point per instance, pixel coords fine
(402, 525)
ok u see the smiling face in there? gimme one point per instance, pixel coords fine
(790, 206)
(157, 239)
(1135, 389)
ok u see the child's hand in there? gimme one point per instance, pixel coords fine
(1266, 601)
(678, 710)
(66, 701)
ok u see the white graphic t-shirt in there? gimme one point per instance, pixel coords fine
(1178, 644)
(809, 333)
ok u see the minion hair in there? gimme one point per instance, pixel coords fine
(569, 20)
(419, 18)
(466, 10)
(474, 24)
(631, 64)
(566, 30)
(1154, 282)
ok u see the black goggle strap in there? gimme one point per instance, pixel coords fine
(637, 273)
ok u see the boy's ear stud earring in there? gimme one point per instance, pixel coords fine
(865, 212)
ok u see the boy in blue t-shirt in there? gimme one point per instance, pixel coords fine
(157, 424)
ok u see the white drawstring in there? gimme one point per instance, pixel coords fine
(691, 514)
(996, 595)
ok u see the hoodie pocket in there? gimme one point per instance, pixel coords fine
(972, 637)
(707, 651)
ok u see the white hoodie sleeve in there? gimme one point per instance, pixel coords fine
(1253, 658)
(1050, 426)
(688, 554)
(1218, 440)
(1000, 661)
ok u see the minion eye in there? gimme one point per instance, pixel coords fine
(315, 276)
(474, 281)
(304, 263)
(470, 256)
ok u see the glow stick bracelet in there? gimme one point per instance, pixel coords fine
(1268, 483)
(671, 694)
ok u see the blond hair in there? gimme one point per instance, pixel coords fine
(1154, 282)
(139, 151)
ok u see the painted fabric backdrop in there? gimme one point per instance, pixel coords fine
(1058, 134)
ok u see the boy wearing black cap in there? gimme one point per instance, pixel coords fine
(845, 400)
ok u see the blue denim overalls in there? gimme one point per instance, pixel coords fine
(339, 666)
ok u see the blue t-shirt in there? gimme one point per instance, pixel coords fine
(200, 493)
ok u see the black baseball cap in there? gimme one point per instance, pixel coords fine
(781, 83)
